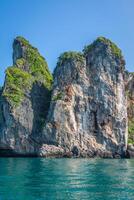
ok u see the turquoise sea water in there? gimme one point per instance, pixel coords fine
(66, 179)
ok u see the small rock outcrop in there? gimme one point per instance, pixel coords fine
(88, 111)
(24, 101)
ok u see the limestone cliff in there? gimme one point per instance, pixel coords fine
(130, 109)
(84, 115)
(88, 111)
(24, 100)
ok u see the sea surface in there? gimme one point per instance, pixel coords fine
(66, 179)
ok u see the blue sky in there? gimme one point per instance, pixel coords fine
(55, 26)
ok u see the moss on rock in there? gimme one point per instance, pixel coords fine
(58, 96)
(131, 131)
(38, 67)
(20, 62)
(17, 82)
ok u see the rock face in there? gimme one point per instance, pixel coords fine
(130, 110)
(88, 111)
(24, 100)
(85, 115)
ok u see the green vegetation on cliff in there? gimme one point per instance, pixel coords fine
(36, 64)
(23, 41)
(131, 131)
(20, 63)
(58, 96)
(17, 81)
(69, 56)
(38, 67)
(114, 49)
(30, 68)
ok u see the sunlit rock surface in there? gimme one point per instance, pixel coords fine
(88, 111)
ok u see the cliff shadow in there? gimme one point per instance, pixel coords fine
(40, 99)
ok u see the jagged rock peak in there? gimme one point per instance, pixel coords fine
(102, 44)
(25, 54)
(68, 59)
(20, 44)
(29, 67)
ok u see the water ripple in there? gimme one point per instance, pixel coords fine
(66, 179)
